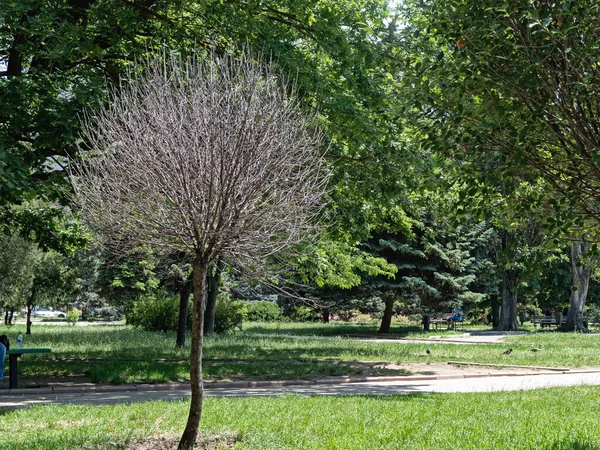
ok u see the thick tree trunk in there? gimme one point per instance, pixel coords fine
(495, 311)
(6, 317)
(213, 280)
(188, 439)
(508, 313)
(10, 317)
(325, 315)
(184, 301)
(388, 312)
(581, 274)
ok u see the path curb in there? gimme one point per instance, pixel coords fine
(255, 384)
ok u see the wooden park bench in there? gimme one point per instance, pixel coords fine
(13, 356)
(547, 321)
(452, 325)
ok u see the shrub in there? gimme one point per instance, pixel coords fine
(105, 313)
(592, 314)
(156, 312)
(302, 314)
(229, 314)
(73, 316)
(263, 311)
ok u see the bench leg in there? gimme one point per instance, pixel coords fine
(12, 365)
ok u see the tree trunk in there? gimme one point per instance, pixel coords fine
(30, 303)
(508, 313)
(6, 317)
(184, 301)
(188, 439)
(495, 311)
(325, 315)
(10, 317)
(211, 300)
(388, 312)
(581, 274)
(29, 307)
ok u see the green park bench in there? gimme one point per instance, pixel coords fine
(13, 356)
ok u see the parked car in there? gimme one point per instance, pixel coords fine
(40, 311)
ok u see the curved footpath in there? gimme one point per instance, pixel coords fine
(104, 395)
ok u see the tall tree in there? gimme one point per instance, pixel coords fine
(54, 60)
(467, 110)
(17, 259)
(581, 273)
(54, 280)
(242, 177)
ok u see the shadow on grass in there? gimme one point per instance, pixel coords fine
(573, 445)
(117, 372)
(331, 329)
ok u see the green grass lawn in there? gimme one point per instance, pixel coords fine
(121, 354)
(553, 419)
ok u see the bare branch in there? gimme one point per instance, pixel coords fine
(207, 156)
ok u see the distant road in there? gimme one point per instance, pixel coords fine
(35, 321)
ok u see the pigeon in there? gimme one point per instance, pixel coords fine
(507, 352)
(428, 351)
(535, 349)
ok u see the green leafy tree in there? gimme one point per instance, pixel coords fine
(57, 58)
(520, 76)
(17, 258)
(54, 282)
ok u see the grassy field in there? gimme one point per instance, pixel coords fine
(120, 354)
(553, 419)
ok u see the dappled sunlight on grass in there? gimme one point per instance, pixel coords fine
(121, 354)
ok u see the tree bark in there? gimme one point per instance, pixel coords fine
(508, 312)
(388, 312)
(188, 439)
(30, 303)
(211, 301)
(495, 311)
(184, 300)
(325, 315)
(580, 274)
(29, 308)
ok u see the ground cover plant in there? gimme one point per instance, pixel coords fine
(545, 418)
(122, 354)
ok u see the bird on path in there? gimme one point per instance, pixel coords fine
(428, 351)
(507, 352)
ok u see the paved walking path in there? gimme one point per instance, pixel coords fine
(372, 386)
(468, 337)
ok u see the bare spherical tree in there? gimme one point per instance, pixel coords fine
(206, 156)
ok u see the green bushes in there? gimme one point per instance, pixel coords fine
(157, 312)
(263, 311)
(301, 314)
(105, 313)
(73, 316)
(229, 314)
